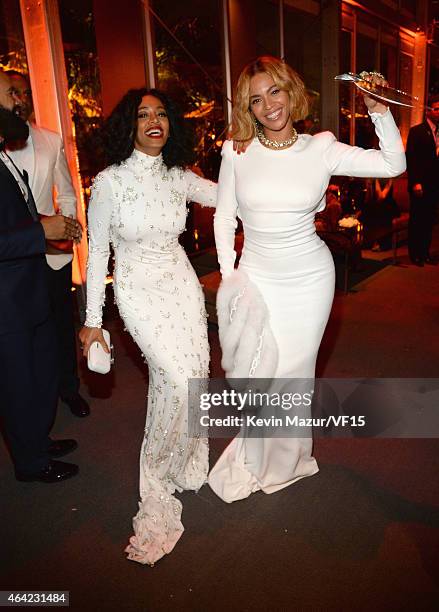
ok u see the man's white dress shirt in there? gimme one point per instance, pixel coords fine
(44, 160)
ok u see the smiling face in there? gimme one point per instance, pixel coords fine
(152, 126)
(271, 106)
(23, 94)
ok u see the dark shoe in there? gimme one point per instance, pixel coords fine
(59, 448)
(430, 261)
(77, 404)
(54, 472)
(418, 262)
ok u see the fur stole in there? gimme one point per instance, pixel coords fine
(248, 345)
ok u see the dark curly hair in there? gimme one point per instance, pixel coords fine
(119, 130)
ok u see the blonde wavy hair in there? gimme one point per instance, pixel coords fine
(287, 79)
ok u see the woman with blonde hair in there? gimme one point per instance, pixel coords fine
(276, 187)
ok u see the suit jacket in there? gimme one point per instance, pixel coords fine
(422, 161)
(50, 182)
(24, 298)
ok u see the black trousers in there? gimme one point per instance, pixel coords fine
(28, 397)
(422, 216)
(60, 283)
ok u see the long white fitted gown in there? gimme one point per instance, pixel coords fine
(140, 207)
(276, 193)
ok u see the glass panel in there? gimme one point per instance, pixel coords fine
(192, 74)
(409, 5)
(267, 27)
(346, 92)
(366, 60)
(12, 49)
(193, 78)
(434, 69)
(303, 53)
(406, 72)
(366, 53)
(77, 26)
(405, 83)
(388, 65)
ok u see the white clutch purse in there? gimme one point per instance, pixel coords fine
(97, 359)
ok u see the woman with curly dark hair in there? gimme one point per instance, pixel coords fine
(139, 205)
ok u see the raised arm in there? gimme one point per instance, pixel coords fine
(225, 215)
(99, 220)
(200, 190)
(389, 161)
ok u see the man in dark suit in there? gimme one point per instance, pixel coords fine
(28, 369)
(42, 156)
(423, 182)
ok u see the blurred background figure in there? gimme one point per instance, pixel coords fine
(328, 219)
(378, 213)
(423, 183)
(307, 126)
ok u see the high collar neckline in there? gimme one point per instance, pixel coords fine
(146, 160)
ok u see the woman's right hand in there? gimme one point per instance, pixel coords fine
(88, 335)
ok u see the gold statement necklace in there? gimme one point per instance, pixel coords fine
(273, 144)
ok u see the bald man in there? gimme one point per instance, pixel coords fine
(42, 156)
(28, 357)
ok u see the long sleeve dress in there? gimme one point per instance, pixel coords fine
(140, 208)
(276, 193)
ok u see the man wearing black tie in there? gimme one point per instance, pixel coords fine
(42, 156)
(28, 371)
(423, 183)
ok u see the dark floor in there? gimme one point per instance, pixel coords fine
(363, 533)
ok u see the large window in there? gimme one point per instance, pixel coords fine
(302, 37)
(82, 68)
(346, 91)
(366, 59)
(378, 46)
(12, 49)
(388, 58)
(406, 84)
(406, 71)
(190, 69)
(266, 14)
(366, 53)
(434, 69)
(409, 5)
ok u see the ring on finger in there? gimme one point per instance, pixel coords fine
(372, 73)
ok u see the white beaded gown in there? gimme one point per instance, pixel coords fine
(140, 208)
(276, 193)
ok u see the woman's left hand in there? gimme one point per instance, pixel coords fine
(240, 146)
(374, 105)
